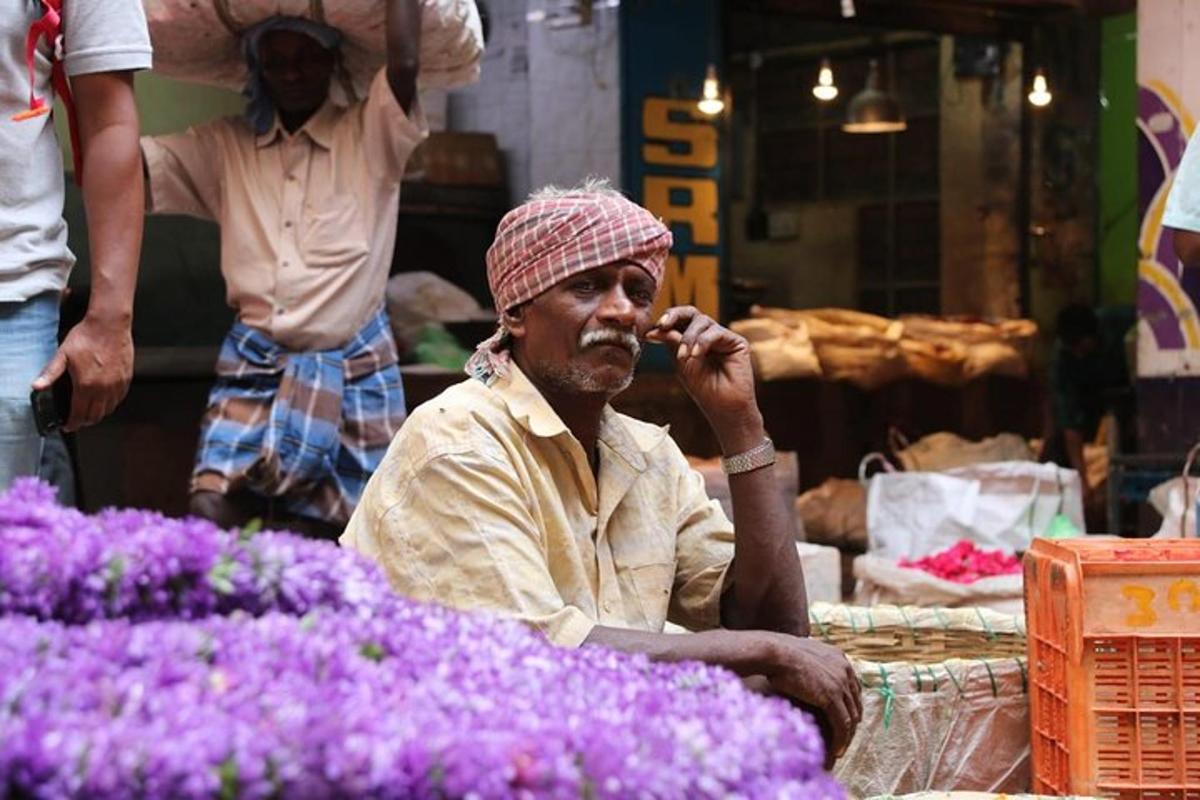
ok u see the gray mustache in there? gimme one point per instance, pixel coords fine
(615, 336)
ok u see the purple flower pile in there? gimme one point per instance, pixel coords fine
(210, 664)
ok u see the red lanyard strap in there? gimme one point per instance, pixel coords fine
(49, 27)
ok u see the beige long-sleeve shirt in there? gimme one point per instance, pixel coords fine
(485, 500)
(308, 220)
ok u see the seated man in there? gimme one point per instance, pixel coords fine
(521, 491)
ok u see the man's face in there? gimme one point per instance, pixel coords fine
(296, 70)
(583, 334)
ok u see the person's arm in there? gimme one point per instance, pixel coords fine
(1187, 246)
(98, 352)
(403, 50)
(768, 581)
(812, 674)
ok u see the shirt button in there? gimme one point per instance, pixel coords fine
(284, 263)
(278, 309)
(287, 224)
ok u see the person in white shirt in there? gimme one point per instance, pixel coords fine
(104, 42)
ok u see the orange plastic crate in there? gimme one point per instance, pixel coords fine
(1114, 666)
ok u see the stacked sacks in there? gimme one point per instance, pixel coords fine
(152, 657)
(989, 348)
(870, 351)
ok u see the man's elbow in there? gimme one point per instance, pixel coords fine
(1187, 247)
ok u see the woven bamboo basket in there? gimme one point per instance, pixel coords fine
(918, 635)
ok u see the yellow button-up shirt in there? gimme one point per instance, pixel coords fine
(308, 220)
(485, 500)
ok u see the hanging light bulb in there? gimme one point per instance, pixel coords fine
(825, 90)
(1040, 96)
(710, 100)
(873, 110)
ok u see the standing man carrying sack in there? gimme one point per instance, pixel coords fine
(88, 50)
(306, 192)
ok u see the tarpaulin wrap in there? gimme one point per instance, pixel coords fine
(951, 725)
(200, 40)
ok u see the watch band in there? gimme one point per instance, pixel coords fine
(755, 458)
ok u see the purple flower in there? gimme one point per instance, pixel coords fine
(166, 658)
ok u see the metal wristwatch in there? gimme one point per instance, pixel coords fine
(755, 458)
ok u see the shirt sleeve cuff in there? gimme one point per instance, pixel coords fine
(569, 627)
(112, 59)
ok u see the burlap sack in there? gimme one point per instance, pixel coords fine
(1000, 348)
(860, 348)
(835, 513)
(779, 350)
(943, 363)
(199, 40)
(951, 725)
(942, 451)
(882, 581)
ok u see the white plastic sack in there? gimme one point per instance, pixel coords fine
(1001, 505)
(199, 40)
(881, 581)
(822, 572)
(1177, 505)
(952, 725)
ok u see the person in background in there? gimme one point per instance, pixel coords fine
(306, 193)
(1087, 369)
(521, 491)
(1182, 214)
(104, 42)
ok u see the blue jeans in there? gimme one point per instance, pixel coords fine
(28, 339)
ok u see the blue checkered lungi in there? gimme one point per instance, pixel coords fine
(305, 429)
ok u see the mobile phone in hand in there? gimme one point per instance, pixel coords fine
(52, 406)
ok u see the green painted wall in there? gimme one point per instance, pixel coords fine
(1117, 276)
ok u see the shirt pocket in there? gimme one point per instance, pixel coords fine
(652, 587)
(335, 235)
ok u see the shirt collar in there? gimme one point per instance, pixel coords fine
(319, 128)
(530, 409)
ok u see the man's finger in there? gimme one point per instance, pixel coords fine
(52, 372)
(695, 328)
(841, 725)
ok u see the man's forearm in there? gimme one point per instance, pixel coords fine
(403, 50)
(113, 192)
(742, 652)
(768, 581)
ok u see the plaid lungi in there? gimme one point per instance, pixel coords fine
(306, 429)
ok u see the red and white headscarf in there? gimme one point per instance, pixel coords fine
(556, 235)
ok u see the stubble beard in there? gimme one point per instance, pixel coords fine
(574, 378)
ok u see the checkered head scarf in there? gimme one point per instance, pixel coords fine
(554, 235)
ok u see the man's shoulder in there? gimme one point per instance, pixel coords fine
(463, 418)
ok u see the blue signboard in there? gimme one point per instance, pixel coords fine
(671, 150)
